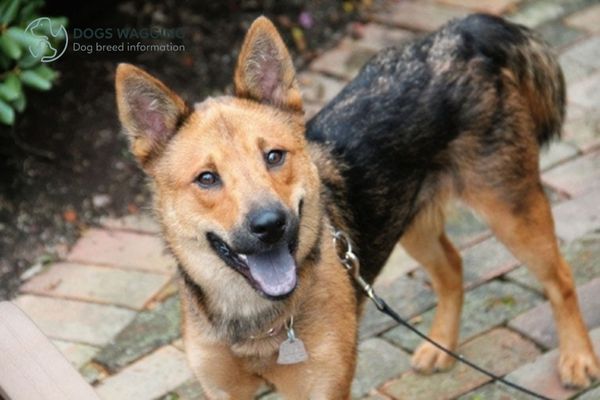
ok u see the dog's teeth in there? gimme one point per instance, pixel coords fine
(243, 257)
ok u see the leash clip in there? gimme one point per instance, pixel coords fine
(349, 260)
(345, 253)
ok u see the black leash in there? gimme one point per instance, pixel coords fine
(351, 263)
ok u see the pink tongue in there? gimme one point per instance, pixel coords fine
(274, 271)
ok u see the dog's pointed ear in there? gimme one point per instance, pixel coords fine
(265, 71)
(149, 111)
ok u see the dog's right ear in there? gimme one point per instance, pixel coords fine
(149, 111)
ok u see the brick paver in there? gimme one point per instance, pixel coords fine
(111, 307)
(576, 177)
(148, 378)
(581, 60)
(377, 37)
(593, 394)
(78, 354)
(123, 249)
(538, 323)
(490, 6)
(485, 307)
(556, 153)
(494, 391)
(417, 15)
(586, 92)
(344, 61)
(142, 222)
(499, 350)
(318, 89)
(535, 13)
(378, 361)
(463, 227)
(411, 296)
(75, 321)
(148, 331)
(399, 264)
(587, 19)
(582, 254)
(97, 284)
(578, 216)
(485, 261)
(559, 35)
(583, 130)
(542, 377)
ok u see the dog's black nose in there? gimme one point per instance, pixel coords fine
(268, 224)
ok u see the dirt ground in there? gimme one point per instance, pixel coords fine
(65, 164)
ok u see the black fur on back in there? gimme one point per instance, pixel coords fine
(391, 127)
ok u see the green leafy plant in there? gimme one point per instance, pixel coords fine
(22, 51)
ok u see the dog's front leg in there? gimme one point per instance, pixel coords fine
(314, 381)
(221, 374)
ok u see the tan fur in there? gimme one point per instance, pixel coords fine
(129, 82)
(230, 136)
(262, 38)
(427, 243)
(518, 212)
(529, 234)
(325, 322)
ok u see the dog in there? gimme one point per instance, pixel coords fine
(248, 196)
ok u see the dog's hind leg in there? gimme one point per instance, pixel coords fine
(522, 220)
(427, 243)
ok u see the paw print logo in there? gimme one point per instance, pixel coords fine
(40, 28)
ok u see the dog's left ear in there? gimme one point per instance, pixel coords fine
(265, 71)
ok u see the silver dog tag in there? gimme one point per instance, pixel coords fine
(291, 350)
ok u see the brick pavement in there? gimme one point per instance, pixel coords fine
(111, 307)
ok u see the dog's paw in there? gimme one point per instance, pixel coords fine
(428, 358)
(578, 370)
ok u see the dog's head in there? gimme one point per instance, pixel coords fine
(235, 188)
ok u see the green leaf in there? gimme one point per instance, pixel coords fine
(24, 39)
(28, 61)
(10, 47)
(45, 72)
(20, 102)
(3, 5)
(10, 88)
(5, 62)
(7, 114)
(29, 11)
(32, 79)
(10, 12)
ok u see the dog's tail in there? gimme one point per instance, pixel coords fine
(532, 64)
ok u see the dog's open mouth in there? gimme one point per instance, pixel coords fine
(271, 272)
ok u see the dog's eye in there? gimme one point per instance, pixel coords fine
(207, 180)
(275, 157)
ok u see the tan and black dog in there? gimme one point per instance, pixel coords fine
(248, 196)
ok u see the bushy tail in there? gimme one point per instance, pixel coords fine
(533, 64)
(542, 84)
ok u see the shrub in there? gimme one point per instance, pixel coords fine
(26, 44)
